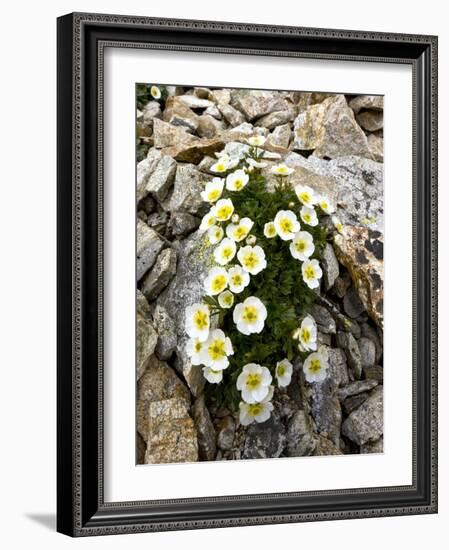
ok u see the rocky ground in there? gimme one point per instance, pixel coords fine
(335, 144)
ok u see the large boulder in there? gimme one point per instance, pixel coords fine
(257, 103)
(149, 244)
(365, 424)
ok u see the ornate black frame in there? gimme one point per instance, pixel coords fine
(81, 509)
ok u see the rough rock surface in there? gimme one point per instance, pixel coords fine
(361, 251)
(265, 440)
(158, 278)
(329, 129)
(149, 244)
(205, 429)
(365, 424)
(146, 338)
(301, 440)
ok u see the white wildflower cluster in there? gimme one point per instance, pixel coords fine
(238, 258)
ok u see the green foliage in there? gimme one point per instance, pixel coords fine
(280, 286)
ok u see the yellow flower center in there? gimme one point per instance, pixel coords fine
(198, 347)
(253, 381)
(238, 184)
(324, 206)
(218, 283)
(306, 217)
(200, 319)
(227, 299)
(250, 260)
(210, 221)
(305, 197)
(216, 349)
(315, 366)
(286, 225)
(281, 370)
(254, 409)
(213, 195)
(305, 335)
(300, 246)
(281, 169)
(250, 314)
(240, 232)
(237, 280)
(224, 212)
(227, 252)
(309, 272)
(220, 167)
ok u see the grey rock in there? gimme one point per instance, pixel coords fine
(354, 388)
(158, 278)
(162, 178)
(176, 112)
(352, 304)
(347, 342)
(209, 126)
(165, 327)
(338, 370)
(149, 244)
(301, 441)
(146, 340)
(202, 92)
(348, 325)
(374, 102)
(220, 96)
(148, 204)
(323, 339)
(265, 440)
(214, 112)
(373, 447)
(374, 373)
(280, 137)
(275, 119)
(225, 433)
(330, 266)
(231, 115)
(151, 111)
(186, 288)
(365, 424)
(206, 434)
(371, 120)
(158, 383)
(325, 447)
(367, 352)
(142, 306)
(187, 192)
(354, 401)
(169, 135)
(376, 146)
(341, 284)
(257, 103)
(329, 129)
(324, 319)
(144, 170)
(371, 333)
(195, 102)
(182, 223)
(158, 221)
(141, 448)
(359, 178)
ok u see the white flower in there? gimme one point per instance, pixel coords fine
(311, 273)
(226, 299)
(194, 347)
(286, 224)
(255, 163)
(306, 195)
(208, 221)
(281, 170)
(307, 334)
(212, 376)
(325, 204)
(197, 321)
(316, 365)
(252, 259)
(225, 251)
(155, 92)
(224, 163)
(216, 350)
(251, 240)
(238, 279)
(254, 412)
(284, 370)
(237, 180)
(235, 218)
(213, 190)
(256, 141)
(215, 234)
(254, 383)
(302, 246)
(216, 281)
(337, 224)
(223, 209)
(308, 215)
(238, 231)
(269, 230)
(250, 315)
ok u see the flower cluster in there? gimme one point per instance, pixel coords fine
(249, 228)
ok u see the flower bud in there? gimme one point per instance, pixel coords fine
(235, 218)
(251, 240)
(291, 204)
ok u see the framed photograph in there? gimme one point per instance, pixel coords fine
(247, 277)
